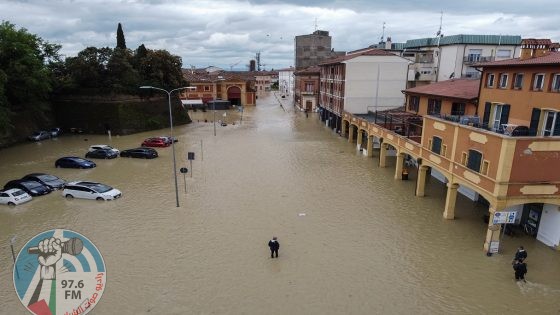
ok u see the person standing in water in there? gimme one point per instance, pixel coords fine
(520, 269)
(274, 247)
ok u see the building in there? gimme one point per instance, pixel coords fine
(286, 81)
(312, 49)
(452, 98)
(445, 57)
(508, 159)
(367, 80)
(306, 94)
(264, 80)
(218, 85)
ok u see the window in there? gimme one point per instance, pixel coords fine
(490, 80)
(474, 160)
(474, 55)
(443, 150)
(500, 117)
(518, 81)
(436, 145)
(503, 80)
(556, 83)
(551, 123)
(413, 103)
(434, 106)
(503, 53)
(206, 88)
(538, 82)
(309, 87)
(458, 109)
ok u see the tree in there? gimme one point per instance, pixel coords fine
(120, 38)
(25, 75)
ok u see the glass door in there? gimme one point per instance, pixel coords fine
(549, 123)
(497, 117)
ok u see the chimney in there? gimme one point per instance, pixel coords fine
(532, 48)
(388, 43)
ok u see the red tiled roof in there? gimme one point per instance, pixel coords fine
(551, 58)
(201, 75)
(310, 70)
(461, 88)
(361, 52)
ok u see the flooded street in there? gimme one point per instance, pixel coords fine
(365, 245)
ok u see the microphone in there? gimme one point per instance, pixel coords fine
(72, 246)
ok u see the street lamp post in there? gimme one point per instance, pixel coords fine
(170, 131)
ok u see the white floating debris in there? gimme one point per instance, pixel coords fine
(301, 214)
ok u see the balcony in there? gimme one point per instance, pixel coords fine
(308, 93)
(477, 58)
(471, 75)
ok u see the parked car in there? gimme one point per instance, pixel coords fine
(55, 132)
(143, 153)
(74, 162)
(102, 146)
(48, 180)
(14, 197)
(40, 135)
(29, 186)
(155, 142)
(102, 154)
(169, 139)
(90, 190)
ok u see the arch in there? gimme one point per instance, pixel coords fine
(234, 95)
(516, 202)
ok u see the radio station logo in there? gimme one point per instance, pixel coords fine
(59, 272)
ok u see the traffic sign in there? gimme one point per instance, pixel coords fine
(184, 170)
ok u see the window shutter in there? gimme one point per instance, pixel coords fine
(436, 145)
(473, 161)
(486, 117)
(556, 131)
(535, 117)
(505, 114)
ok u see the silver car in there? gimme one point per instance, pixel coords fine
(40, 135)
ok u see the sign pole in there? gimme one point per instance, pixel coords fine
(201, 151)
(191, 167)
(14, 255)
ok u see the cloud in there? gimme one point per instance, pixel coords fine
(221, 32)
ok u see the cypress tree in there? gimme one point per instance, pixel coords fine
(120, 38)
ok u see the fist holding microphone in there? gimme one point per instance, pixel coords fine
(50, 251)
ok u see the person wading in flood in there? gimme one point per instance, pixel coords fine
(274, 246)
(520, 270)
(520, 255)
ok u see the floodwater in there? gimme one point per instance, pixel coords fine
(365, 245)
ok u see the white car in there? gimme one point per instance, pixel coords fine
(102, 146)
(14, 197)
(90, 190)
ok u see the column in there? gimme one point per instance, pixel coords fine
(350, 133)
(399, 165)
(369, 148)
(493, 231)
(383, 155)
(359, 138)
(421, 182)
(449, 212)
(343, 130)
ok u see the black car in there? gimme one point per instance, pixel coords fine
(29, 186)
(102, 154)
(74, 162)
(143, 153)
(48, 180)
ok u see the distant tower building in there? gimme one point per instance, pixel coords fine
(312, 49)
(252, 65)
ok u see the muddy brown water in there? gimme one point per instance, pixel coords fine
(365, 245)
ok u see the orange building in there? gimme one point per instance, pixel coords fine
(446, 98)
(306, 94)
(506, 152)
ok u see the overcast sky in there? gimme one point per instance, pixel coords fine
(224, 33)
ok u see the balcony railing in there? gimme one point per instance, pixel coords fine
(475, 121)
(308, 93)
(476, 58)
(471, 75)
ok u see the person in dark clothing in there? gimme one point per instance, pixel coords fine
(521, 254)
(520, 269)
(274, 247)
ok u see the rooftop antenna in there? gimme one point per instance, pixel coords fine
(315, 24)
(440, 23)
(383, 34)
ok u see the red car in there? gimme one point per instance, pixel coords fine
(155, 142)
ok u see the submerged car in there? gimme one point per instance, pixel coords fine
(142, 153)
(102, 154)
(102, 146)
(55, 132)
(40, 135)
(169, 139)
(155, 142)
(14, 197)
(29, 186)
(74, 162)
(90, 190)
(48, 180)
